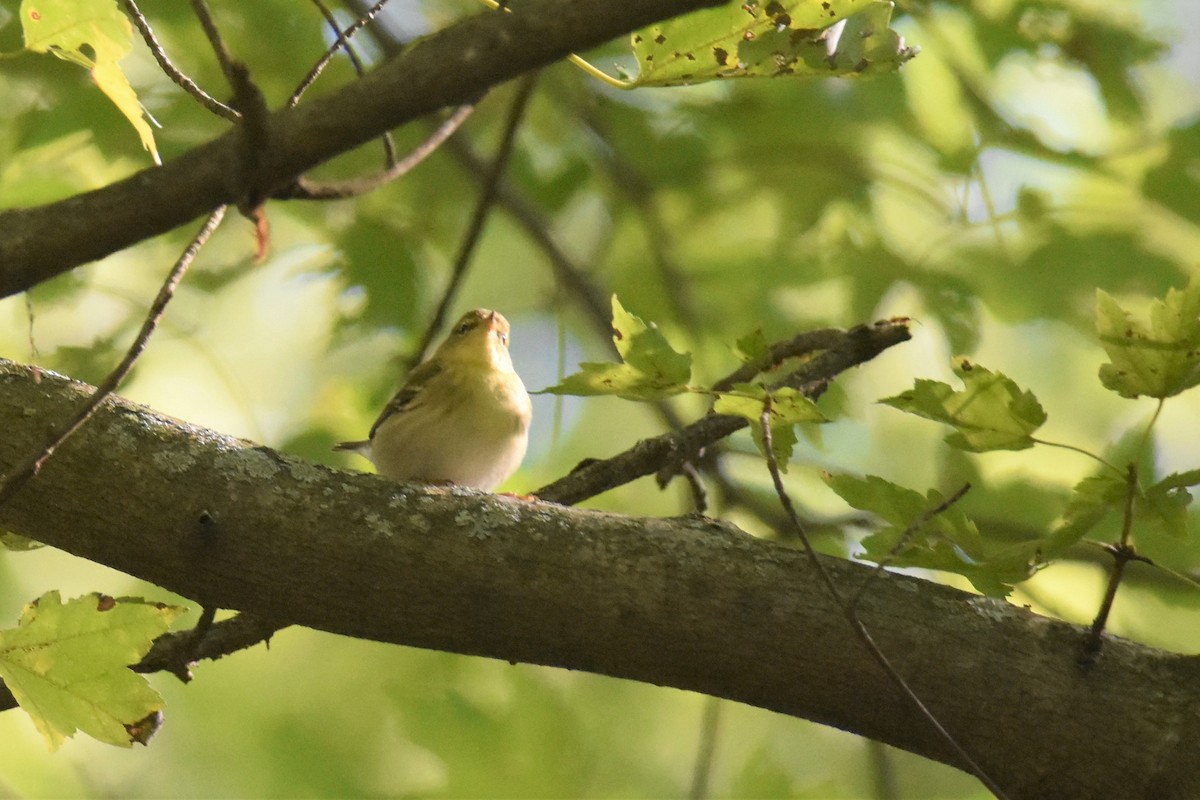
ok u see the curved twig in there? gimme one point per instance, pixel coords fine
(30, 467)
(173, 72)
(483, 206)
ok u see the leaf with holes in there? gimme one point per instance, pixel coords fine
(814, 38)
(1159, 359)
(95, 35)
(67, 665)
(989, 413)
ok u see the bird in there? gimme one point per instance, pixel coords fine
(462, 416)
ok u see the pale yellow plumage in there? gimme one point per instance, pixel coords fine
(462, 416)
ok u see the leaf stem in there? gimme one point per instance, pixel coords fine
(590, 69)
(1080, 450)
(600, 74)
(1122, 553)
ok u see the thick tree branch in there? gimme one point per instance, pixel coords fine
(452, 67)
(687, 602)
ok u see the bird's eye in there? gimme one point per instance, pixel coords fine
(503, 338)
(466, 326)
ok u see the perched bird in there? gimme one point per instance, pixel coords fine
(462, 416)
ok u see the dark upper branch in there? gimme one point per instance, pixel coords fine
(451, 67)
(690, 603)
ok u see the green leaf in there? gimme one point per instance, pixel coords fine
(783, 442)
(753, 349)
(1167, 501)
(95, 35)
(15, 541)
(1160, 359)
(990, 413)
(777, 38)
(946, 541)
(1091, 501)
(788, 407)
(646, 350)
(652, 368)
(67, 664)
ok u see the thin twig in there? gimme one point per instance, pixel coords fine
(174, 73)
(389, 147)
(34, 355)
(224, 57)
(844, 349)
(1122, 553)
(851, 616)
(33, 464)
(483, 207)
(306, 189)
(342, 38)
(710, 726)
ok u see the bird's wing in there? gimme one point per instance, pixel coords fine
(407, 396)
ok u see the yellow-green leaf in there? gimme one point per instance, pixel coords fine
(770, 39)
(67, 664)
(1159, 359)
(95, 35)
(652, 369)
(989, 413)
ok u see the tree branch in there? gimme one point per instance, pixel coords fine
(452, 67)
(688, 602)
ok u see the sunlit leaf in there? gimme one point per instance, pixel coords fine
(652, 369)
(788, 407)
(1159, 359)
(67, 664)
(772, 39)
(95, 35)
(989, 413)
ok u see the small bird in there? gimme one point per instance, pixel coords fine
(462, 416)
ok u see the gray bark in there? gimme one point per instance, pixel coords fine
(685, 602)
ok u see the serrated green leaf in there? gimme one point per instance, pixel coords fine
(1159, 359)
(771, 39)
(95, 35)
(620, 380)
(753, 349)
(67, 664)
(652, 369)
(946, 541)
(783, 443)
(643, 347)
(1167, 501)
(788, 407)
(989, 413)
(1091, 500)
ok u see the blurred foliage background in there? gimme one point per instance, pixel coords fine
(1035, 150)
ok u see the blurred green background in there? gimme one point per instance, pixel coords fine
(1035, 150)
